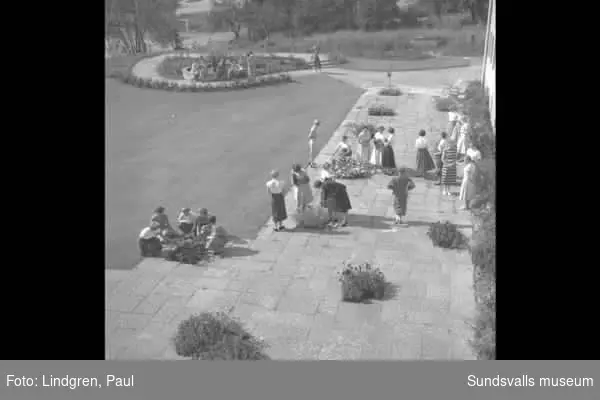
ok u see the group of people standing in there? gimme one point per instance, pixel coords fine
(377, 148)
(333, 199)
(224, 67)
(190, 224)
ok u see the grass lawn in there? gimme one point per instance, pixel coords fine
(211, 150)
(366, 64)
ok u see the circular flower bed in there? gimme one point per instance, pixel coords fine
(173, 65)
(181, 85)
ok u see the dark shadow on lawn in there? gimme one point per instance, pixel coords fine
(238, 251)
(390, 292)
(370, 221)
(321, 231)
(428, 224)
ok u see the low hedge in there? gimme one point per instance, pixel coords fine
(390, 92)
(186, 86)
(483, 256)
(380, 110)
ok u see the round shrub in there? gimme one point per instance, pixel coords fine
(446, 235)
(361, 282)
(216, 336)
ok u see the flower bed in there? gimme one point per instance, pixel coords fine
(379, 110)
(349, 168)
(390, 92)
(187, 86)
(216, 336)
(361, 282)
(173, 65)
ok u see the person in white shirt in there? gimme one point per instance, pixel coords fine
(186, 220)
(364, 145)
(424, 161)
(453, 119)
(275, 188)
(462, 140)
(378, 143)
(149, 241)
(312, 137)
(473, 153)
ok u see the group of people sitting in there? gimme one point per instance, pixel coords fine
(332, 208)
(199, 225)
(224, 67)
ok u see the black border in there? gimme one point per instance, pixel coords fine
(53, 283)
(53, 292)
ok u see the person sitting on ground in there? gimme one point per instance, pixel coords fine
(343, 151)
(161, 218)
(217, 237)
(201, 220)
(149, 241)
(186, 220)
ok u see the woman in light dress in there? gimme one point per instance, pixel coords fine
(364, 145)
(378, 143)
(461, 144)
(467, 188)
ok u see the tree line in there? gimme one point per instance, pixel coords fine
(134, 20)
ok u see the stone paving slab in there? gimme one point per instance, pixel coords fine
(287, 289)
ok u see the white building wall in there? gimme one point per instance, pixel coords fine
(489, 61)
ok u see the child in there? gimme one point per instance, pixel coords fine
(400, 186)
(201, 220)
(424, 161)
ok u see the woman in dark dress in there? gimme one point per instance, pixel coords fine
(334, 197)
(275, 188)
(400, 186)
(388, 159)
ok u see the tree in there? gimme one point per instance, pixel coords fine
(133, 21)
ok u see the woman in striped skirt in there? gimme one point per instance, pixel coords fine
(449, 166)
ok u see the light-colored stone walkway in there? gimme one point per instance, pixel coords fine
(283, 286)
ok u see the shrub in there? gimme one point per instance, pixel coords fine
(361, 282)
(380, 110)
(483, 256)
(445, 104)
(216, 336)
(390, 92)
(446, 235)
(185, 86)
(349, 168)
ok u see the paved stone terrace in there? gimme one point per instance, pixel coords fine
(284, 287)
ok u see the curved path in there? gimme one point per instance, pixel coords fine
(429, 82)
